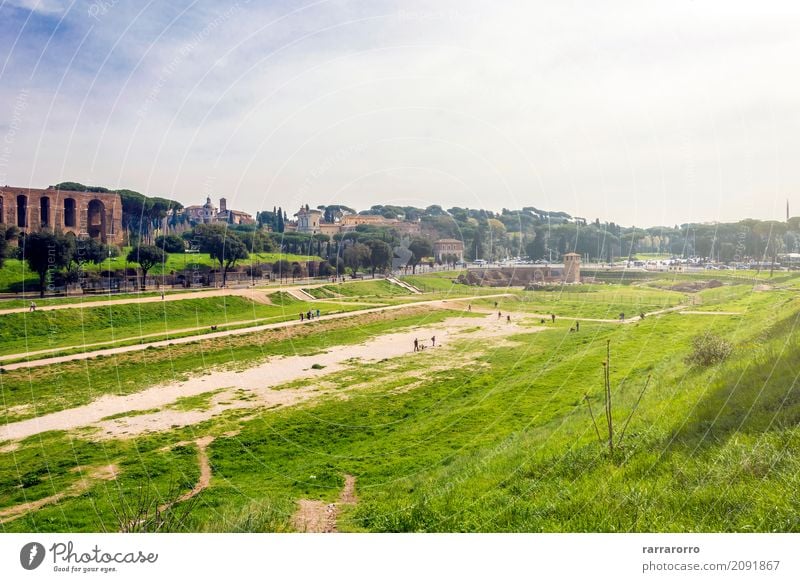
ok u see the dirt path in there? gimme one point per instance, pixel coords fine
(259, 294)
(205, 472)
(254, 387)
(83, 484)
(711, 313)
(219, 334)
(314, 516)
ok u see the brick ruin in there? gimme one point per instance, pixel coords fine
(84, 214)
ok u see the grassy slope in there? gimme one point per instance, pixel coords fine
(20, 332)
(505, 443)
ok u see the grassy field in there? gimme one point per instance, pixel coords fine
(42, 330)
(499, 438)
(14, 272)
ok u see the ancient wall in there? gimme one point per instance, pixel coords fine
(84, 214)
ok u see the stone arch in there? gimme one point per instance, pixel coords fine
(44, 210)
(70, 213)
(96, 220)
(22, 211)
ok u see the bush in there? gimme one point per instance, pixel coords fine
(171, 243)
(709, 349)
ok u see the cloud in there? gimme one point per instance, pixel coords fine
(622, 111)
(45, 7)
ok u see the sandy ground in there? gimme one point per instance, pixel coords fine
(314, 516)
(254, 387)
(219, 334)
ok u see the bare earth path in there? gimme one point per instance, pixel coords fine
(219, 334)
(313, 516)
(256, 293)
(256, 383)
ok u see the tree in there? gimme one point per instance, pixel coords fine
(420, 248)
(147, 256)
(89, 250)
(226, 249)
(356, 256)
(7, 234)
(46, 252)
(297, 271)
(380, 255)
(171, 243)
(281, 268)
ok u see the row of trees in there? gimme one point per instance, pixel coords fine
(52, 255)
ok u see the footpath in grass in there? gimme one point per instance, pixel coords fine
(495, 437)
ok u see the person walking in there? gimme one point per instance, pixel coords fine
(433, 341)
(499, 315)
(33, 306)
(302, 317)
(508, 319)
(553, 317)
(469, 307)
(577, 326)
(416, 345)
(317, 312)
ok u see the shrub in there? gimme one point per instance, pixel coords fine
(709, 349)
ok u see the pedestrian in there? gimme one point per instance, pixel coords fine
(162, 296)
(302, 317)
(577, 326)
(553, 317)
(508, 319)
(499, 315)
(308, 315)
(622, 316)
(33, 306)
(495, 303)
(641, 315)
(469, 307)
(541, 320)
(416, 345)
(433, 341)
(317, 312)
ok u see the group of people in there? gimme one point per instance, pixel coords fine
(309, 315)
(419, 346)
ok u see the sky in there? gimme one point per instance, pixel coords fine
(634, 112)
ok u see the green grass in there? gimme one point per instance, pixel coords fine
(14, 272)
(499, 439)
(26, 393)
(42, 330)
(597, 301)
(366, 289)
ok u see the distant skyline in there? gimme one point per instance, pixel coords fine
(639, 113)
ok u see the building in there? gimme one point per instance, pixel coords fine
(351, 221)
(208, 214)
(445, 248)
(572, 268)
(95, 215)
(308, 220)
(232, 216)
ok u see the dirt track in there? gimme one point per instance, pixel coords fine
(218, 334)
(253, 387)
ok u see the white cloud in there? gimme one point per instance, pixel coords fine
(634, 113)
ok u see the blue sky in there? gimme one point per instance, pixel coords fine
(643, 115)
